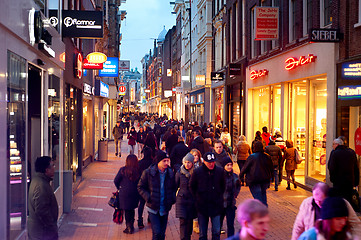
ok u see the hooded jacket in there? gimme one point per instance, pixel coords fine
(198, 143)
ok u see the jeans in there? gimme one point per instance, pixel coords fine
(140, 210)
(230, 214)
(259, 192)
(118, 142)
(129, 218)
(131, 149)
(275, 174)
(185, 228)
(159, 225)
(240, 165)
(203, 226)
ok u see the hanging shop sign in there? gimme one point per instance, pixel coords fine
(292, 63)
(88, 89)
(110, 68)
(254, 74)
(200, 79)
(358, 141)
(169, 72)
(78, 68)
(122, 90)
(234, 70)
(351, 71)
(91, 65)
(324, 35)
(96, 57)
(217, 76)
(349, 92)
(101, 89)
(124, 65)
(266, 23)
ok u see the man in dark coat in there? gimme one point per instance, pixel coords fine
(157, 187)
(219, 153)
(207, 185)
(118, 136)
(43, 207)
(344, 171)
(178, 153)
(276, 156)
(172, 140)
(198, 142)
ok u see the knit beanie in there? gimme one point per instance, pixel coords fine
(189, 157)
(160, 155)
(225, 161)
(333, 207)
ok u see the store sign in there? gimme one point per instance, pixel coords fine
(169, 72)
(78, 69)
(358, 141)
(110, 68)
(324, 35)
(292, 63)
(167, 93)
(216, 76)
(254, 74)
(266, 23)
(101, 89)
(132, 94)
(88, 89)
(234, 69)
(147, 90)
(351, 71)
(349, 92)
(122, 90)
(124, 65)
(179, 90)
(91, 65)
(200, 79)
(96, 57)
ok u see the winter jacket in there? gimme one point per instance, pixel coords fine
(290, 157)
(232, 189)
(177, 155)
(43, 209)
(344, 171)
(144, 164)
(306, 219)
(220, 157)
(198, 143)
(313, 234)
(128, 193)
(185, 204)
(149, 188)
(258, 168)
(171, 142)
(132, 137)
(266, 137)
(243, 150)
(118, 132)
(141, 136)
(276, 155)
(207, 186)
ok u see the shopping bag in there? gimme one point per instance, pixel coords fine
(118, 216)
(298, 158)
(114, 200)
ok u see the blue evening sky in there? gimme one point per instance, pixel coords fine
(144, 21)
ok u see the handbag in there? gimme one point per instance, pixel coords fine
(114, 200)
(298, 158)
(355, 200)
(118, 216)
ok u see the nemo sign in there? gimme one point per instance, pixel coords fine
(96, 57)
(254, 74)
(292, 63)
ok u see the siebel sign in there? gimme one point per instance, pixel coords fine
(325, 35)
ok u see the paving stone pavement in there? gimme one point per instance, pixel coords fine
(91, 217)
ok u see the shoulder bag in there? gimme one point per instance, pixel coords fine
(298, 158)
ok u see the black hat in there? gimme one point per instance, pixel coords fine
(209, 157)
(333, 207)
(160, 155)
(225, 161)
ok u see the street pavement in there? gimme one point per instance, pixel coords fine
(91, 216)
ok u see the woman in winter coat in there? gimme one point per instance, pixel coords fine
(242, 150)
(151, 141)
(185, 204)
(126, 181)
(132, 138)
(140, 140)
(290, 163)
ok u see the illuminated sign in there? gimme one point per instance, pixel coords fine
(122, 90)
(78, 70)
(132, 95)
(62, 57)
(266, 23)
(147, 90)
(324, 35)
(88, 89)
(169, 72)
(200, 79)
(349, 92)
(91, 65)
(110, 68)
(185, 78)
(254, 74)
(96, 57)
(351, 70)
(292, 63)
(101, 89)
(215, 76)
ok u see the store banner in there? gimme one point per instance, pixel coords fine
(267, 21)
(217, 76)
(110, 68)
(101, 89)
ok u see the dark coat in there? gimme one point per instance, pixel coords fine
(118, 132)
(171, 142)
(198, 143)
(132, 136)
(177, 155)
(43, 209)
(220, 157)
(258, 168)
(145, 163)
(185, 204)
(233, 186)
(128, 194)
(344, 171)
(207, 186)
(149, 188)
(276, 155)
(141, 137)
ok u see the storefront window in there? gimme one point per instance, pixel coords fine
(219, 104)
(236, 122)
(96, 117)
(317, 129)
(200, 113)
(261, 100)
(54, 124)
(16, 148)
(276, 107)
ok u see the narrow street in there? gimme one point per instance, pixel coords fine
(91, 217)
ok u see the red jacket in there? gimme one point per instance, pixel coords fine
(132, 136)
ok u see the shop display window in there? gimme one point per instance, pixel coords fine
(261, 105)
(276, 109)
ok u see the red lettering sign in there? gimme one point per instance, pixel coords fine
(358, 141)
(91, 65)
(292, 63)
(122, 89)
(254, 74)
(79, 64)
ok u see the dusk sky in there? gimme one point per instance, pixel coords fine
(144, 21)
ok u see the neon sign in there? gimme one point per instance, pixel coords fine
(79, 66)
(292, 63)
(254, 74)
(96, 57)
(349, 92)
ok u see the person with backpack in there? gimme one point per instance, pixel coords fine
(276, 156)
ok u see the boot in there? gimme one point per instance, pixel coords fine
(294, 184)
(288, 186)
(129, 229)
(140, 224)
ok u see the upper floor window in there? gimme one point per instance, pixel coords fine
(253, 25)
(292, 20)
(358, 24)
(327, 17)
(307, 16)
